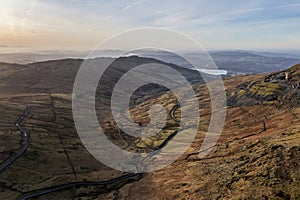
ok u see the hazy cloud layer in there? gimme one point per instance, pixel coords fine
(215, 24)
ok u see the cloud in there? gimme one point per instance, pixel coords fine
(93, 20)
(126, 8)
(131, 4)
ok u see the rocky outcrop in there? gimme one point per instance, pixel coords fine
(281, 89)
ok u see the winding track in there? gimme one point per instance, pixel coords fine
(129, 177)
(25, 136)
(172, 111)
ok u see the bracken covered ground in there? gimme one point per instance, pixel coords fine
(256, 157)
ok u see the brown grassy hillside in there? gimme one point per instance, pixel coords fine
(256, 157)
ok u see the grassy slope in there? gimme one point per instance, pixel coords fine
(257, 154)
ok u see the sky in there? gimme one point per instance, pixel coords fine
(223, 24)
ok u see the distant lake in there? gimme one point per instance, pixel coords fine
(213, 71)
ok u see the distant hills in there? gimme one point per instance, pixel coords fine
(59, 75)
(234, 62)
